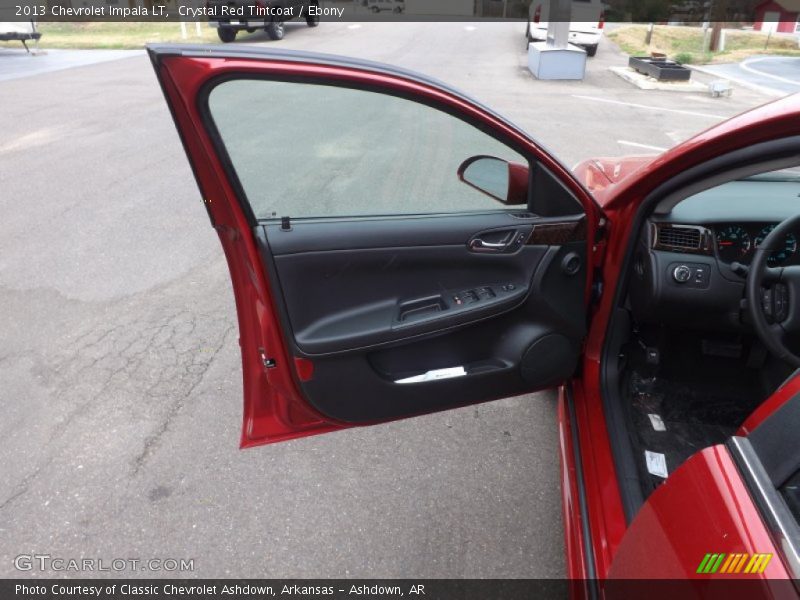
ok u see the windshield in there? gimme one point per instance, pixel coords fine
(792, 174)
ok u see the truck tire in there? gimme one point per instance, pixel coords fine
(591, 50)
(275, 30)
(226, 34)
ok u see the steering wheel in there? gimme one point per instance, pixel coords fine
(772, 294)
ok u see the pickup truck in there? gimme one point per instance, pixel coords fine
(231, 16)
(585, 27)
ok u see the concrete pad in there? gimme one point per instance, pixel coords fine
(643, 82)
(16, 63)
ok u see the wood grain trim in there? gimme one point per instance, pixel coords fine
(556, 234)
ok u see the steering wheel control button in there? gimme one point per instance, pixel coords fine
(775, 303)
(682, 274)
(781, 302)
(766, 303)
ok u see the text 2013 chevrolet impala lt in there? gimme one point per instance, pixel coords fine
(396, 249)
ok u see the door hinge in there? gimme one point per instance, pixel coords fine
(207, 205)
(269, 363)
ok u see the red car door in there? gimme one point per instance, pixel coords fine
(394, 247)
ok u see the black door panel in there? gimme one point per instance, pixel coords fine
(370, 316)
(351, 388)
(352, 299)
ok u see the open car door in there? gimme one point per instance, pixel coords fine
(394, 247)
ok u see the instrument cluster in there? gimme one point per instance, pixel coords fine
(738, 242)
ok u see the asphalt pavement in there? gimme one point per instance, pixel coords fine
(120, 370)
(16, 62)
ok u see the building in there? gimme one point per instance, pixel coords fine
(782, 16)
(454, 8)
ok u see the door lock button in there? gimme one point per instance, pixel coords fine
(477, 295)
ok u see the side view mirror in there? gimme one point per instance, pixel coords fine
(504, 181)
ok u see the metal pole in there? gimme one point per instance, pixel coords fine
(558, 23)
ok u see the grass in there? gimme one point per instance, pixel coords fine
(686, 44)
(117, 35)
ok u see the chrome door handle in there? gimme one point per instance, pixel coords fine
(500, 241)
(479, 244)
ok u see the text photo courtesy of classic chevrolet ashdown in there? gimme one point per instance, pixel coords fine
(422, 298)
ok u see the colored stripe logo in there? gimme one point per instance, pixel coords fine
(734, 563)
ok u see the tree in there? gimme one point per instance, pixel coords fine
(718, 15)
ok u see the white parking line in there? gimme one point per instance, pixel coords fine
(656, 108)
(638, 145)
(746, 66)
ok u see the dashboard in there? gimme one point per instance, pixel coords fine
(728, 242)
(690, 265)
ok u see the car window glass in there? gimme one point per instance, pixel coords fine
(308, 150)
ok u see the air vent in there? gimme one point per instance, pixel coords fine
(685, 238)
